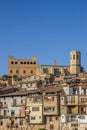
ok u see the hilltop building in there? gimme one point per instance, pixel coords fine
(27, 67)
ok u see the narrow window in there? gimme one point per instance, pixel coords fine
(73, 57)
(24, 71)
(17, 71)
(27, 62)
(1, 122)
(21, 122)
(21, 62)
(11, 71)
(31, 71)
(12, 62)
(16, 62)
(51, 127)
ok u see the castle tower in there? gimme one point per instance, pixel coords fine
(75, 62)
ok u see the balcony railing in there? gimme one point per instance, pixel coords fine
(17, 104)
(10, 125)
(3, 106)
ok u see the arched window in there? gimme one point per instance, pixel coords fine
(31, 71)
(16, 62)
(12, 62)
(21, 62)
(28, 62)
(73, 57)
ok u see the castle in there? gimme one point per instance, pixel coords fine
(27, 67)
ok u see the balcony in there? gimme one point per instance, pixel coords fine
(34, 101)
(82, 110)
(72, 119)
(17, 104)
(10, 125)
(3, 106)
(83, 100)
(72, 100)
(50, 111)
(72, 110)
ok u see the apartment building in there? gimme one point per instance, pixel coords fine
(34, 111)
(30, 110)
(57, 107)
(29, 82)
(51, 111)
(73, 104)
(12, 110)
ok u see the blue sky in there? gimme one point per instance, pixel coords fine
(48, 29)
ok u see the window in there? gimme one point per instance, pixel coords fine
(1, 104)
(45, 70)
(12, 62)
(14, 102)
(4, 112)
(74, 125)
(21, 62)
(73, 118)
(30, 62)
(50, 119)
(12, 122)
(49, 109)
(4, 98)
(51, 127)
(24, 71)
(83, 100)
(32, 117)
(56, 72)
(1, 122)
(17, 71)
(21, 101)
(11, 71)
(5, 103)
(73, 57)
(31, 71)
(27, 62)
(72, 99)
(35, 108)
(12, 112)
(16, 62)
(56, 118)
(48, 99)
(82, 117)
(21, 122)
(24, 62)
(34, 62)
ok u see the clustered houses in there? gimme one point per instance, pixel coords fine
(30, 110)
(74, 107)
(43, 97)
(62, 106)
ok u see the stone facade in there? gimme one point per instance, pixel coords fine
(22, 67)
(27, 67)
